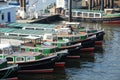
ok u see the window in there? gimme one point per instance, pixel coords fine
(32, 50)
(9, 59)
(91, 15)
(2, 16)
(73, 13)
(22, 49)
(85, 14)
(30, 58)
(19, 59)
(79, 14)
(97, 15)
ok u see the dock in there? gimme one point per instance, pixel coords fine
(43, 19)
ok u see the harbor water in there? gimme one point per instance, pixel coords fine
(105, 65)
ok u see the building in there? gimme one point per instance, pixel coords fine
(7, 14)
(117, 3)
(88, 4)
(64, 4)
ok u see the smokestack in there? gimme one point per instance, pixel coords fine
(70, 10)
(23, 4)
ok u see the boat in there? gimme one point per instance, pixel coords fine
(81, 34)
(36, 44)
(66, 40)
(29, 61)
(7, 71)
(106, 16)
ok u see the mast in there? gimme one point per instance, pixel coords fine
(70, 10)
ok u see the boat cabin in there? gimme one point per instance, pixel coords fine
(31, 41)
(84, 13)
(73, 24)
(6, 52)
(36, 44)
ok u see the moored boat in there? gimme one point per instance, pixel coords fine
(7, 71)
(108, 15)
(27, 61)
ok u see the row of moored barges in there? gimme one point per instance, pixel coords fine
(42, 49)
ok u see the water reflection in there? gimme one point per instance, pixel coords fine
(59, 74)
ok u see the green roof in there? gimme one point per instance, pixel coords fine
(30, 32)
(21, 25)
(26, 32)
(5, 30)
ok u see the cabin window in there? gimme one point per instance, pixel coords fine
(74, 14)
(39, 29)
(97, 15)
(30, 58)
(59, 38)
(67, 13)
(13, 34)
(9, 59)
(40, 51)
(79, 14)
(19, 59)
(22, 49)
(2, 16)
(85, 14)
(76, 38)
(23, 35)
(54, 44)
(31, 50)
(68, 38)
(30, 28)
(91, 15)
(63, 45)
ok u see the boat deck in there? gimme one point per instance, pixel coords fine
(21, 54)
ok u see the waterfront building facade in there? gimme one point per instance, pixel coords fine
(7, 14)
